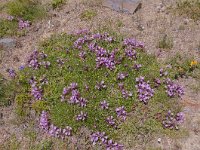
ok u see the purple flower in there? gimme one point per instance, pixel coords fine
(101, 85)
(10, 18)
(122, 76)
(82, 55)
(92, 46)
(60, 61)
(145, 92)
(82, 102)
(113, 146)
(23, 24)
(12, 73)
(126, 94)
(44, 123)
(172, 121)
(74, 99)
(80, 42)
(33, 60)
(81, 117)
(137, 66)
(157, 82)
(121, 113)
(21, 67)
(173, 89)
(67, 131)
(121, 86)
(110, 120)
(180, 117)
(104, 105)
(131, 54)
(98, 137)
(133, 43)
(103, 139)
(66, 90)
(74, 86)
(55, 131)
(36, 92)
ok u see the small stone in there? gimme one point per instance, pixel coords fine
(186, 21)
(159, 140)
(7, 43)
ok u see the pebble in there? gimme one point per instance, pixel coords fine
(159, 140)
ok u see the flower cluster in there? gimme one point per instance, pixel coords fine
(75, 95)
(51, 129)
(10, 18)
(36, 91)
(23, 24)
(103, 58)
(173, 89)
(60, 61)
(133, 43)
(104, 37)
(137, 66)
(121, 76)
(145, 92)
(81, 117)
(103, 139)
(111, 121)
(126, 94)
(80, 42)
(121, 113)
(44, 122)
(157, 82)
(104, 105)
(33, 60)
(82, 55)
(100, 85)
(131, 54)
(172, 121)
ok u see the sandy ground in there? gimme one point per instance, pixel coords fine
(147, 25)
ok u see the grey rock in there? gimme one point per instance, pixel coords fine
(128, 6)
(8, 43)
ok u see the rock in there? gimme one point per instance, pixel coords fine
(160, 8)
(129, 6)
(159, 140)
(186, 21)
(8, 43)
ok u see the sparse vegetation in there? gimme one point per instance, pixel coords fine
(26, 9)
(57, 3)
(88, 14)
(10, 28)
(165, 42)
(6, 92)
(189, 8)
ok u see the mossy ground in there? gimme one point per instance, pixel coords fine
(142, 119)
